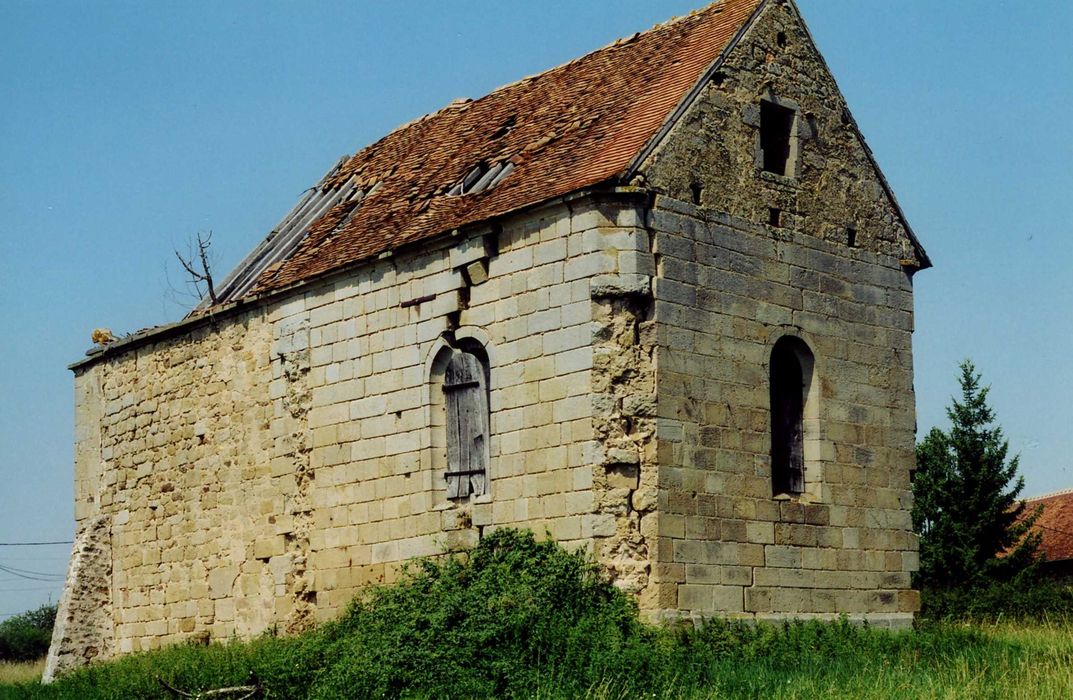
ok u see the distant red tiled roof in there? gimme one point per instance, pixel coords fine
(1056, 524)
(571, 127)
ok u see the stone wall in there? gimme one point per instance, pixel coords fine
(260, 469)
(716, 146)
(84, 630)
(730, 283)
(177, 453)
(725, 294)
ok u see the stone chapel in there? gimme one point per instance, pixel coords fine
(655, 303)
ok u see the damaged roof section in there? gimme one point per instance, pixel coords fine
(288, 234)
(572, 127)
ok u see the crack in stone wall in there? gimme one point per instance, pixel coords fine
(624, 409)
(296, 446)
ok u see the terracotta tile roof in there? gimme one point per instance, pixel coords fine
(1056, 524)
(571, 127)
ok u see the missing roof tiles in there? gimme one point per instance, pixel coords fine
(481, 178)
(505, 128)
(289, 232)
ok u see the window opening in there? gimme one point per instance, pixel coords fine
(776, 128)
(851, 237)
(780, 39)
(774, 216)
(465, 389)
(788, 394)
(696, 189)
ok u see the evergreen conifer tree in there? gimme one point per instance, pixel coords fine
(966, 499)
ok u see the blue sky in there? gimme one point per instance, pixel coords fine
(126, 127)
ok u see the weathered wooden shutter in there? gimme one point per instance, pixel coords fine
(466, 395)
(787, 413)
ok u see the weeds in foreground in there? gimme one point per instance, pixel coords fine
(12, 672)
(520, 618)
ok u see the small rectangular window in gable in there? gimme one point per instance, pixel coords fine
(466, 393)
(776, 131)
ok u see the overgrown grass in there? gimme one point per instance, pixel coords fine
(520, 618)
(12, 672)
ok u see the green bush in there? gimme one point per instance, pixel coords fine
(26, 637)
(514, 617)
(1020, 599)
(494, 623)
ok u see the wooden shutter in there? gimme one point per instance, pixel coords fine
(466, 394)
(787, 412)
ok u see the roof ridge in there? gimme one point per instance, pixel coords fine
(621, 41)
(1061, 492)
(462, 103)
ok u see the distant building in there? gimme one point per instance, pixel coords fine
(1056, 527)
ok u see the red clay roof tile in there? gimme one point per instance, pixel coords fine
(571, 127)
(1055, 524)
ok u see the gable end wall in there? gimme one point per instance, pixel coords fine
(725, 293)
(715, 144)
(728, 286)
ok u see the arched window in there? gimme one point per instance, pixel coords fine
(790, 380)
(465, 390)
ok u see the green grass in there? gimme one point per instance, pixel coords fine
(521, 618)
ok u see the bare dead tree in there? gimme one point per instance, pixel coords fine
(197, 267)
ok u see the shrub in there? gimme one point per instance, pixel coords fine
(1020, 599)
(26, 637)
(493, 623)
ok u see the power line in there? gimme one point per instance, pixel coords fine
(16, 570)
(31, 575)
(34, 544)
(32, 588)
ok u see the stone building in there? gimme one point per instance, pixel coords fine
(655, 302)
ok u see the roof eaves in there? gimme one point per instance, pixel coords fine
(213, 314)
